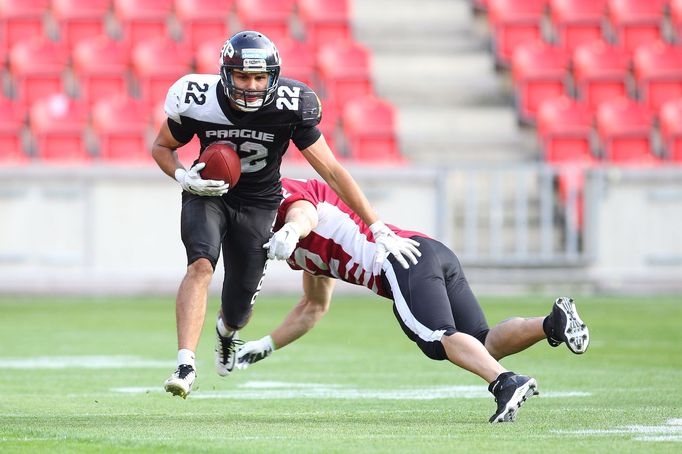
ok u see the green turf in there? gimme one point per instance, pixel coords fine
(633, 372)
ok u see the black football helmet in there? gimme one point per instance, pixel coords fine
(253, 52)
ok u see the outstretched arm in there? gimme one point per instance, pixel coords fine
(323, 161)
(317, 296)
(320, 156)
(300, 219)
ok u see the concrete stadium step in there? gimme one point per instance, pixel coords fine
(429, 26)
(449, 135)
(443, 80)
(431, 60)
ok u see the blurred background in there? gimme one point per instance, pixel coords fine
(540, 139)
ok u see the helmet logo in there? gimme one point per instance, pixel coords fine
(228, 49)
(254, 53)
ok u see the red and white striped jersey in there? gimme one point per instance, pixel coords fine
(341, 246)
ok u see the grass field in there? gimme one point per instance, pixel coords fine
(86, 375)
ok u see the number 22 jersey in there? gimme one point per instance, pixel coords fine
(197, 104)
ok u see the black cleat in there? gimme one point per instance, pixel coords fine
(511, 391)
(180, 383)
(563, 325)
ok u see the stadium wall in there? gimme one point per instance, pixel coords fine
(110, 230)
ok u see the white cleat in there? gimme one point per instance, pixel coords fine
(180, 383)
(226, 352)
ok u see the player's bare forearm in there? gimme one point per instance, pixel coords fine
(305, 315)
(304, 215)
(164, 151)
(299, 321)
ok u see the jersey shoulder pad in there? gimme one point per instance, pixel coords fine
(304, 99)
(177, 99)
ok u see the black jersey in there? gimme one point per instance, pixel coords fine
(197, 104)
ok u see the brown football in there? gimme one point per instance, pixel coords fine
(222, 163)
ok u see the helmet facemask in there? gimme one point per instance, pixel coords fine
(240, 97)
(249, 52)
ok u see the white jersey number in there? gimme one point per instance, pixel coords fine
(288, 97)
(257, 156)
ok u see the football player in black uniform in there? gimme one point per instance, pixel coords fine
(250, 107)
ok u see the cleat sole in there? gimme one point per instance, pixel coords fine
(576, 332)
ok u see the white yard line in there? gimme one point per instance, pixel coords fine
(670, 431)
(268, 390)
(84, 362)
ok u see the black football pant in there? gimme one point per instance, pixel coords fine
(433, 299)
(209, 223)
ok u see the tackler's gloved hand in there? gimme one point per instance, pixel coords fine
(389, 243)
(283, 242)
(254, 351)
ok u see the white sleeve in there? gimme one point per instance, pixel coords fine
(175, 105)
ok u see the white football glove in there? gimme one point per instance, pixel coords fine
(283, 242)
(254, 351)
(389, 243)
(191, 181)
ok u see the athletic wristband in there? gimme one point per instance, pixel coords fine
(377, 227)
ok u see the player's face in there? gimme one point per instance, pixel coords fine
(250, 82)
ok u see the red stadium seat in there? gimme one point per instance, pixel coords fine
(58, 123)
(207, 56)
(657, 67)
(635, 22)
(156, 65)
(143, 19)
(369, 126)
(624, 128)
(298, 61)
(577, 21)
(121, 124)
(203, 20)
(101, 66)
(80, 19)
(37, 66)
(270, 17)
(345, 71)
(20, 20)
(514, 22)
(11, 127)
(325, 21)
(670, 125)
(538, 72)
(564, 128)
(600, 72)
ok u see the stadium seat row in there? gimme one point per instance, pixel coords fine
(569, 23)
(119, 129)
(194, 21)
(89, 65)
(100, 66)
(600, 79)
